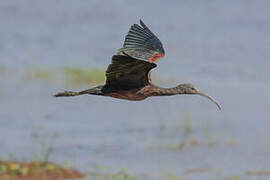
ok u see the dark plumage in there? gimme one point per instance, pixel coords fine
(126, 72)
(142, 43)
(128, 77)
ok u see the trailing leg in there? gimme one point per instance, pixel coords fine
(94, 91)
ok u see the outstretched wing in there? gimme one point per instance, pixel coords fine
(141, 42)
(126, 72)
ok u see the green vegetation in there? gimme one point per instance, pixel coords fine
(13, 170)
(172, 176)
(42, 74)
(234, 177)
(78, 76)
(121, 175)
(258, 172)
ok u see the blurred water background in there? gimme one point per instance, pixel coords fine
(220, 46)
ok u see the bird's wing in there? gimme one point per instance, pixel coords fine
(126, 72)
(141, 42)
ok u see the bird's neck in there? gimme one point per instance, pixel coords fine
(158, 91)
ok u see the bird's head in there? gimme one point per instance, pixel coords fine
(192, 90)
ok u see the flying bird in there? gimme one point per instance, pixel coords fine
(128, 76)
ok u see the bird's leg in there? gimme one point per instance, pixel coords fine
(98, 90)
(67, 93)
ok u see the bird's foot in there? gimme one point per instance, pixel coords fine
(66, 93)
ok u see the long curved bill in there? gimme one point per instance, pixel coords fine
(210, 98)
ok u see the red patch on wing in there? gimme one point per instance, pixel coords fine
(156, 57)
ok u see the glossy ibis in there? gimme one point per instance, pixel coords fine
(128, 76)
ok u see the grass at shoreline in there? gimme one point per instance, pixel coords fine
(36, 170)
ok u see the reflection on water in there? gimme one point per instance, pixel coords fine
(221, 47)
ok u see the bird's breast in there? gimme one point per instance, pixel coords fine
(130, 95)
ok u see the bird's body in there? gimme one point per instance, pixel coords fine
(128, 76)
(131, 95)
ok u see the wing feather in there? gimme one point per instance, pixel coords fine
(126, 72)
(141, 42)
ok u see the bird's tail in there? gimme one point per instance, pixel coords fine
(94, 91)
